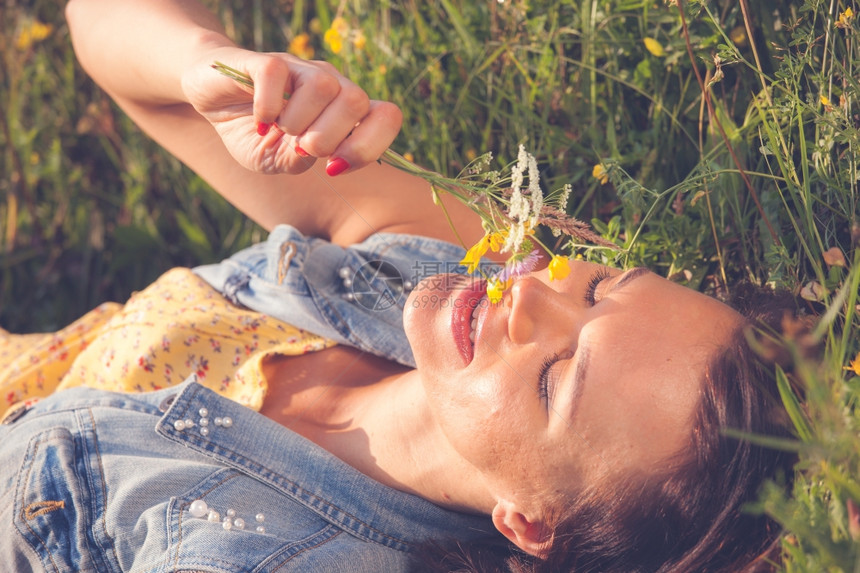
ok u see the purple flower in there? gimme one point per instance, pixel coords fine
(519, 265)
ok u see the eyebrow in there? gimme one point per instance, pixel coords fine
(583, 353)
(628, 276)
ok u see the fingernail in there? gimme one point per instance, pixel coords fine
(301, 152)
(263, 128)
(336, 166)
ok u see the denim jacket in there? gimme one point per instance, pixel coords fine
(104, 482)
(353, 295)
(185, 480)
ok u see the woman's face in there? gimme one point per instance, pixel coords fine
(565, 381)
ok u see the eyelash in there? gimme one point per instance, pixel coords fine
(549, 361)
(543, 375)
(591, 288)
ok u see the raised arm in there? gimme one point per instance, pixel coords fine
(154, 58)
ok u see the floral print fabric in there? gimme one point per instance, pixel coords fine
(176, 327)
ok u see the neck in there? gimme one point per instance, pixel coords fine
(408, 451)
(374, 415)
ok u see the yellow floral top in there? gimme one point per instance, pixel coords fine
(176, 327)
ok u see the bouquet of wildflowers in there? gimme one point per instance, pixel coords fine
(511, 211)
(512, 208)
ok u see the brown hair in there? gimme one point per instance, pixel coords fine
(692, 515)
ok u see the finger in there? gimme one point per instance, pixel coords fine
(337, 121)
(271, 77)
(369, 140)
(297, 159)
(314, 90)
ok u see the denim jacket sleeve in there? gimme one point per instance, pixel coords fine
(353, 295)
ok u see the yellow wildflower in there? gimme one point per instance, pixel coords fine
(473, 255)
(497, 241)
(824, 100)
(558, 267)
(495, 289)
(599, 173)
(335, 35)
(845, 18)
(301, 46)
(35, 32)
(854, 365)
(359, 41)
(494, 241)
(333, 40)
(654, 47)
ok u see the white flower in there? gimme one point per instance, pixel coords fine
(519, 169)
(565, 196)
(518, 208)
(535, 191)
(514, 240)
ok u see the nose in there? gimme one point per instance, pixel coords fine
(537, 309)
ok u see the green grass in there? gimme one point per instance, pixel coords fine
(757, 181)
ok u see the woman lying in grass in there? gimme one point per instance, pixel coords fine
(577, 424)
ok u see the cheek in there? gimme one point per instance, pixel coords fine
(476, 398)
(484, 420)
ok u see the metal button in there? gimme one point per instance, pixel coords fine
(167, 403)
(15, 415)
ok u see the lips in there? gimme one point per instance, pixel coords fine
(464, 316)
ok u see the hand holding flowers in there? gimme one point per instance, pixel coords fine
(511, 211)
(283, 112)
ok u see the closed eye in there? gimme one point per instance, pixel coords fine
(548, 376)
(591, 287)
(543, 376)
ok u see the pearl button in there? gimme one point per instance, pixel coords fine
(226, 422)
(198, 508)
(239, 523)
(204, 413)
(179, 425)
(260, 529)
(260, 518)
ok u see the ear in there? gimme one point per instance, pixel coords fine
(530, 535)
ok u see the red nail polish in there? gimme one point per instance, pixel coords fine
(263, 128)
(301, 152)
(336, 166)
